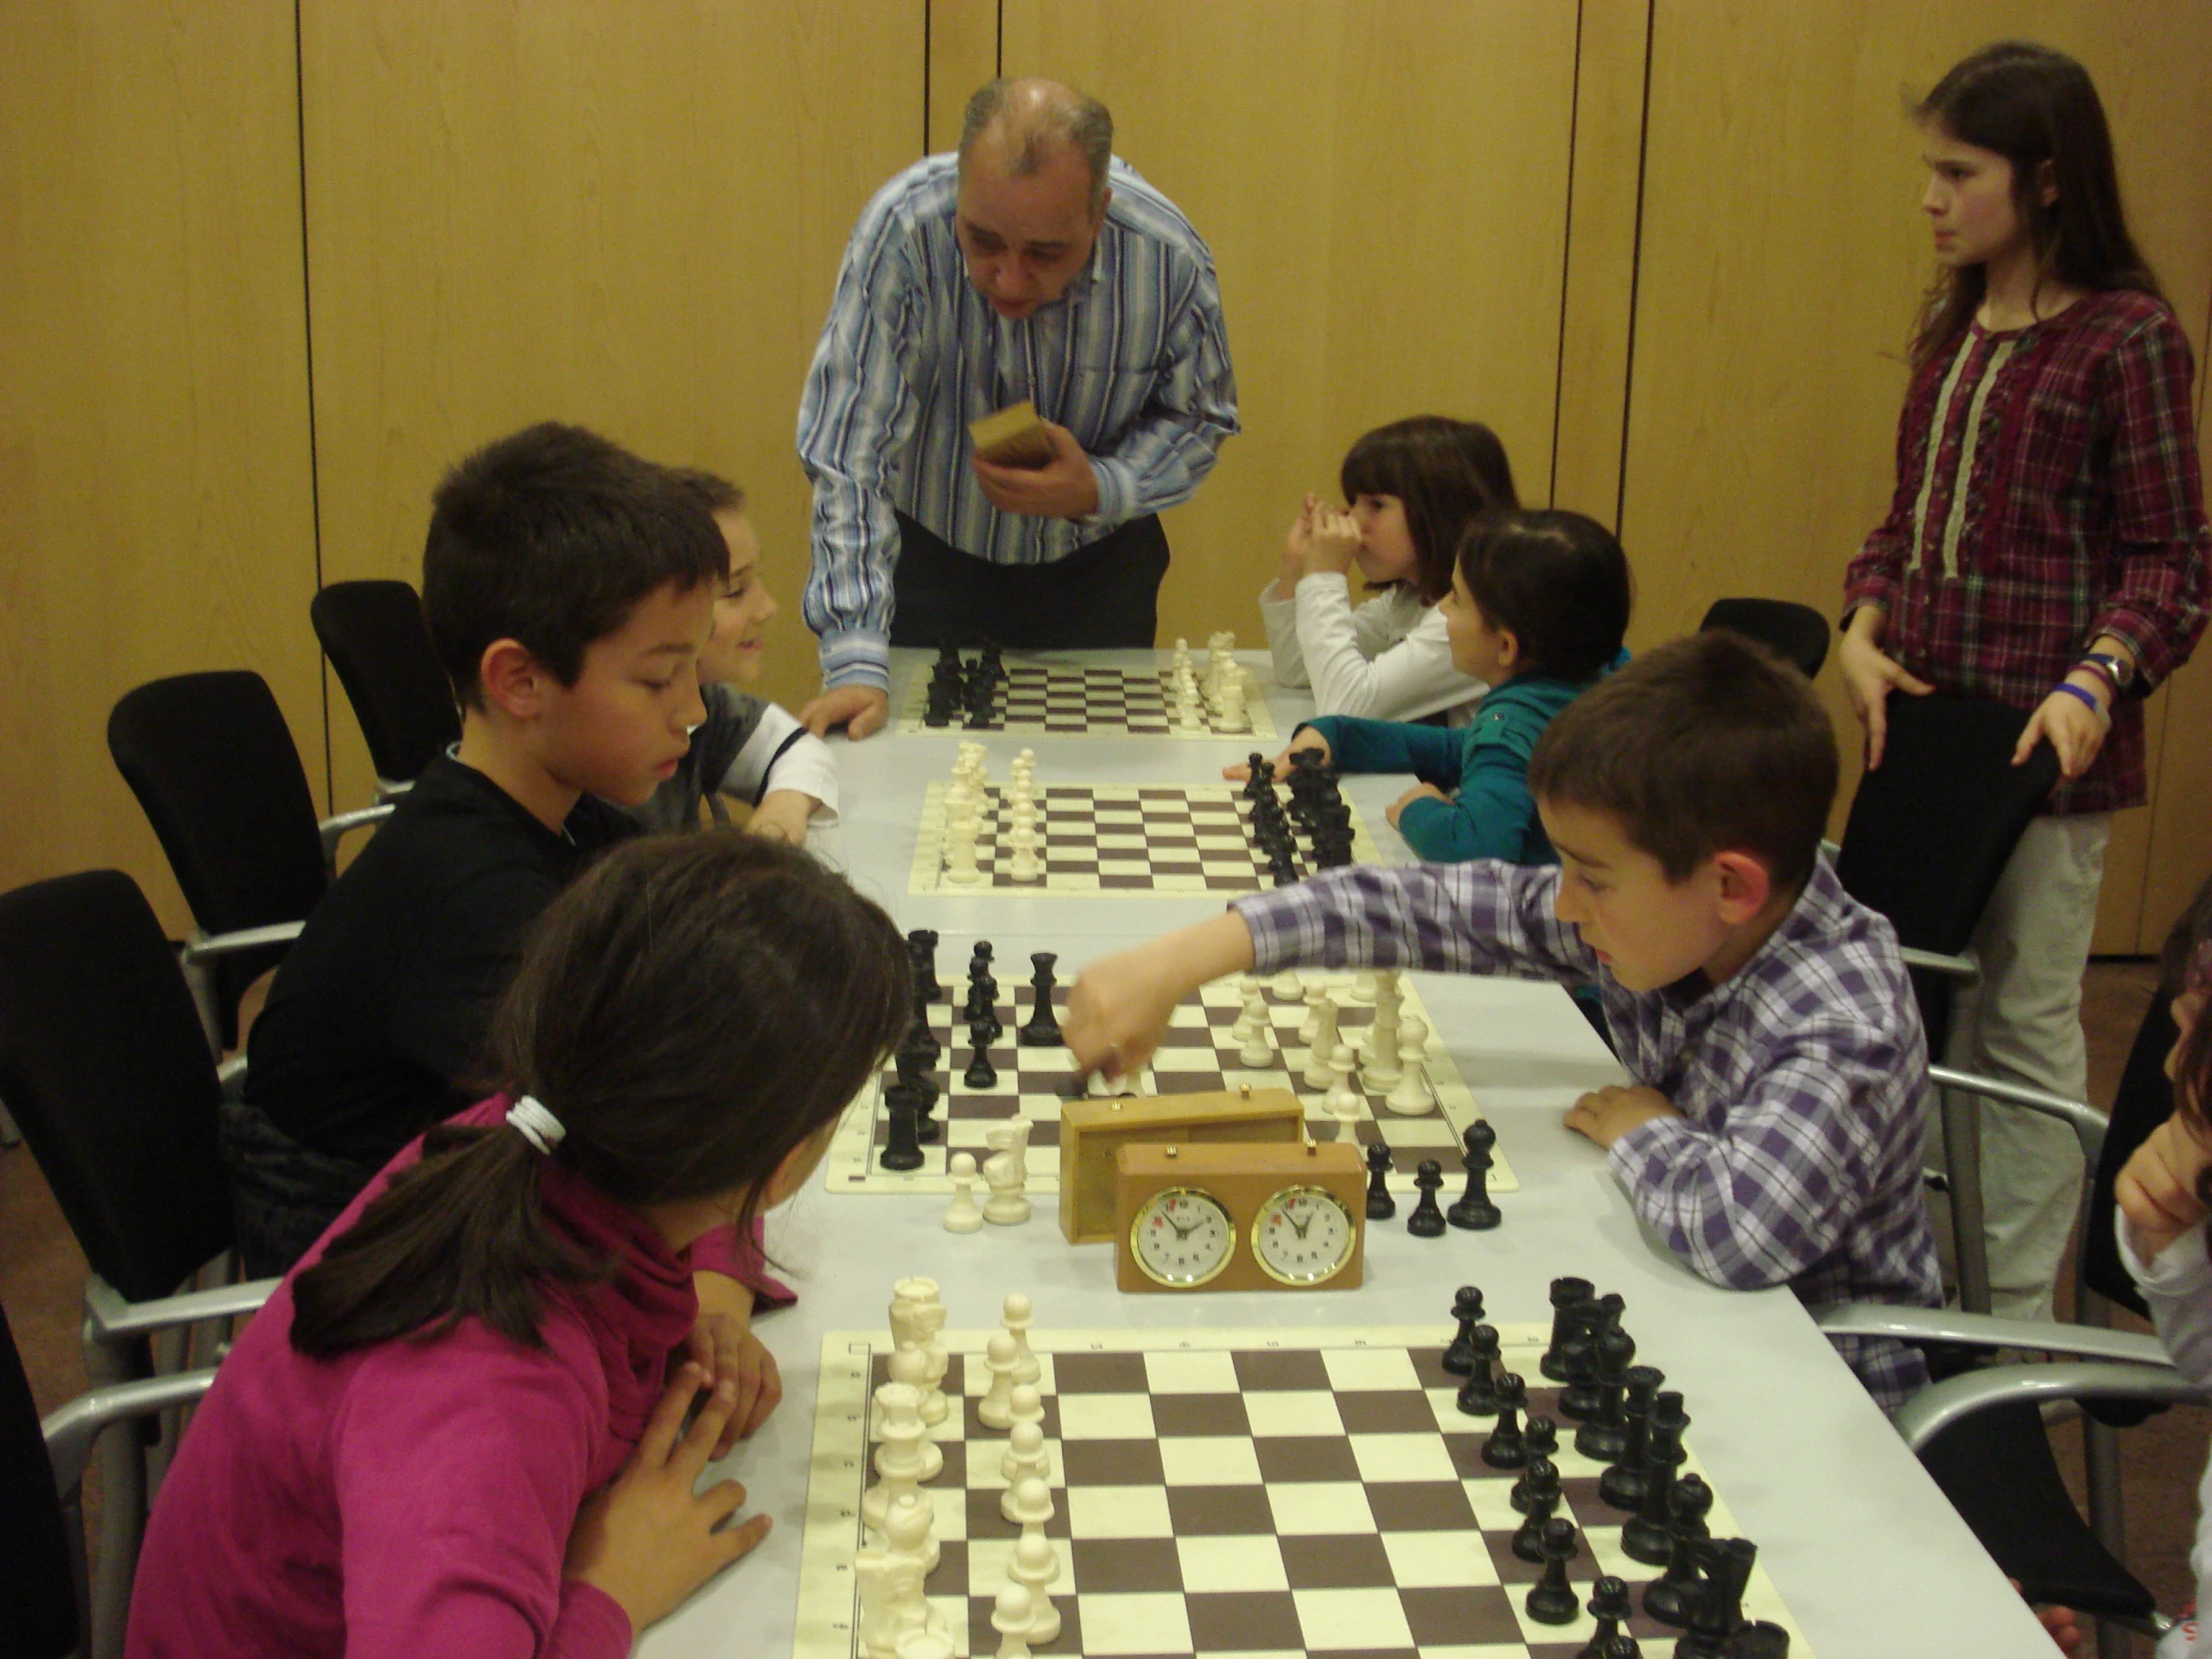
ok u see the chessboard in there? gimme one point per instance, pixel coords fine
(1120, 838)
(1216, 1492)
(1071, 700)
(1198, 1055)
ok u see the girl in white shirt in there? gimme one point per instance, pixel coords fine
(1413, 487)
(2164, 1197)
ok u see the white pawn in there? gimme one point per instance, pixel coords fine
(1363, 985)
(1036, 1564)
(994, 1410)
(1286, 986)
(1256, 1051)
(1017, 1315)
(1343, 1101)
(1033, 1505)
(1023, 866)
(910, 1365)
(1024, 1404)
(910, 1531)
(1025, 1460)
(1410, 1098)
(1011, 1617)
(963, 1214)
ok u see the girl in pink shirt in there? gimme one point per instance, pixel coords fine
(457, 1426)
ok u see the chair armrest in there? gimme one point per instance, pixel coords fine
(70, 1429)
(1949, 1325)
(109, 1318)
(2088, 1123)
(1938, 1405)
(200, 946)
(1955, 967)
(335, 827)
(230, 1076)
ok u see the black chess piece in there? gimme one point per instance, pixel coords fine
(1506, 1448)
(980, 1003)
(1622, 1485)
(1538, 1498)
(1568, 1297)
(1624, 1647)
(921, 1040)
(1649, 1533)
(912, 1063)
(1380, 1205)
(1759, 1640)
(921, 954)
(1282, 871)
(1604, 1435)
(1716, 1606)
(1542, 1435)
(1610, 1607)
(1042, 1030)
(1670, 1597)
(1579, 1358)
(1428, 1219)
(1474, 1210)
(1259, 775)
(1553, 1600)
(1466, 1308)
(1478, 1393)
(902, 1141)
(981, 1073)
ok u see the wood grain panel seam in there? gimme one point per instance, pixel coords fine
(306, 324)
(1567, 261)
(1636, 258)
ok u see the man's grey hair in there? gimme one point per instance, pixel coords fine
(1073, 118)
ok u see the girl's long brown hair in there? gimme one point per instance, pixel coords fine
(694, 1008)
(2038, 110)
(1447, 472)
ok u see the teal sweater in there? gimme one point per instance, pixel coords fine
(1483, 766)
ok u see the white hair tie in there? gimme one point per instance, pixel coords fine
(536, 1125)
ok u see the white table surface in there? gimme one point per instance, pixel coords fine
(1866, 1553)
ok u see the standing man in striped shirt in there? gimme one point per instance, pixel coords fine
(1030, 264)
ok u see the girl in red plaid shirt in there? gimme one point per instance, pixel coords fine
(2047, 547)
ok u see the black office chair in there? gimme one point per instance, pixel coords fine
(1796, 633)
(104, 1066)
(212, 764)
(375, 637)
(43, 1584)
(1928, 834)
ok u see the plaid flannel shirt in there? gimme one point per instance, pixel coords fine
(1801, 1079)
(2047, 491)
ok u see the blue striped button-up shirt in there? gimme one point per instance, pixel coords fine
(1802, 1078)
(1131, 360)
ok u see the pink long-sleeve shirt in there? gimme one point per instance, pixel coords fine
(417, 1499)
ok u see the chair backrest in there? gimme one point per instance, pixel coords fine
(106, 1072)
(1797, 632)
(212, 761)
(36, 1585)
(2144, 1101)
(376, 639)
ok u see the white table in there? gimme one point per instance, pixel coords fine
(1870, 1557)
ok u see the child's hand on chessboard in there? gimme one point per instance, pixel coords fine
(1307, 738)
(1121, 1005)
(2157, 1191)
(645, 1539)
(1420, 792)
(1605, 1115)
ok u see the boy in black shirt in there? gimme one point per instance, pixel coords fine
(569, 586)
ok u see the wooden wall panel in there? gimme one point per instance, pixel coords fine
(1781, 259)
(155, 501)
(1384, 186)
(963, 54)
(624, 216)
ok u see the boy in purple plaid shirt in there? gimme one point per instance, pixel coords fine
(1772, 1131)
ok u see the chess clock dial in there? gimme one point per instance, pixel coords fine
(1181, 1237)
(1302, 1235)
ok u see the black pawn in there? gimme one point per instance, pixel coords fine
(902, 1141)
(981, 1073)
(1043, 1030)
(1505, 1450)
(979, 968)
(1541, 1503)
(1670, 1597)
(1542, 1435)
(1428, 1219)
(1610, 1606)
(1258, 774)
(1478, 1393)
(1380, 1205)
(1474, 1211)
(1466, 1308)
(1553, 1600)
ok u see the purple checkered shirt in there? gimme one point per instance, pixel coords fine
(1802, 1079)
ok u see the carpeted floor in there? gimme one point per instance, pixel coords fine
(42, 1280)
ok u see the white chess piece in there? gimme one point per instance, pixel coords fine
(910, 1531)
(963, 1214)
(1033, 1505)
(1316, 1074)
(994, 1410)
(910, 1365)
(1011, 1616)
(907, 1601)
(1006, 1172)
(1343, 1102)
(1309, 1027)
(1256, 1051)
(1025, 1460)
(1024, 1404)
(1286, 986)
(1035, 1566)
(1232, 716)
(1412, 1097)
(1023, 866)
(960, 855)
(1363, 984)
(1378, 1068)
(924, 1643)
(899, 1460)
(878, 1633)
(1016, 1315)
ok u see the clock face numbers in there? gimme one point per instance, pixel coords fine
(1181, 1237)
(1302, 1235)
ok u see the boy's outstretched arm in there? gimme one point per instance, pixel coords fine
(1120, 1007)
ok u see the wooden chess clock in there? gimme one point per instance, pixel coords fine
(1093, 1131)
(1239, 1216)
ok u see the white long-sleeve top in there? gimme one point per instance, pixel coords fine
(2177, 1284)
(1387, 659)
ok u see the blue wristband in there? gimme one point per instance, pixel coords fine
(2072, 690)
